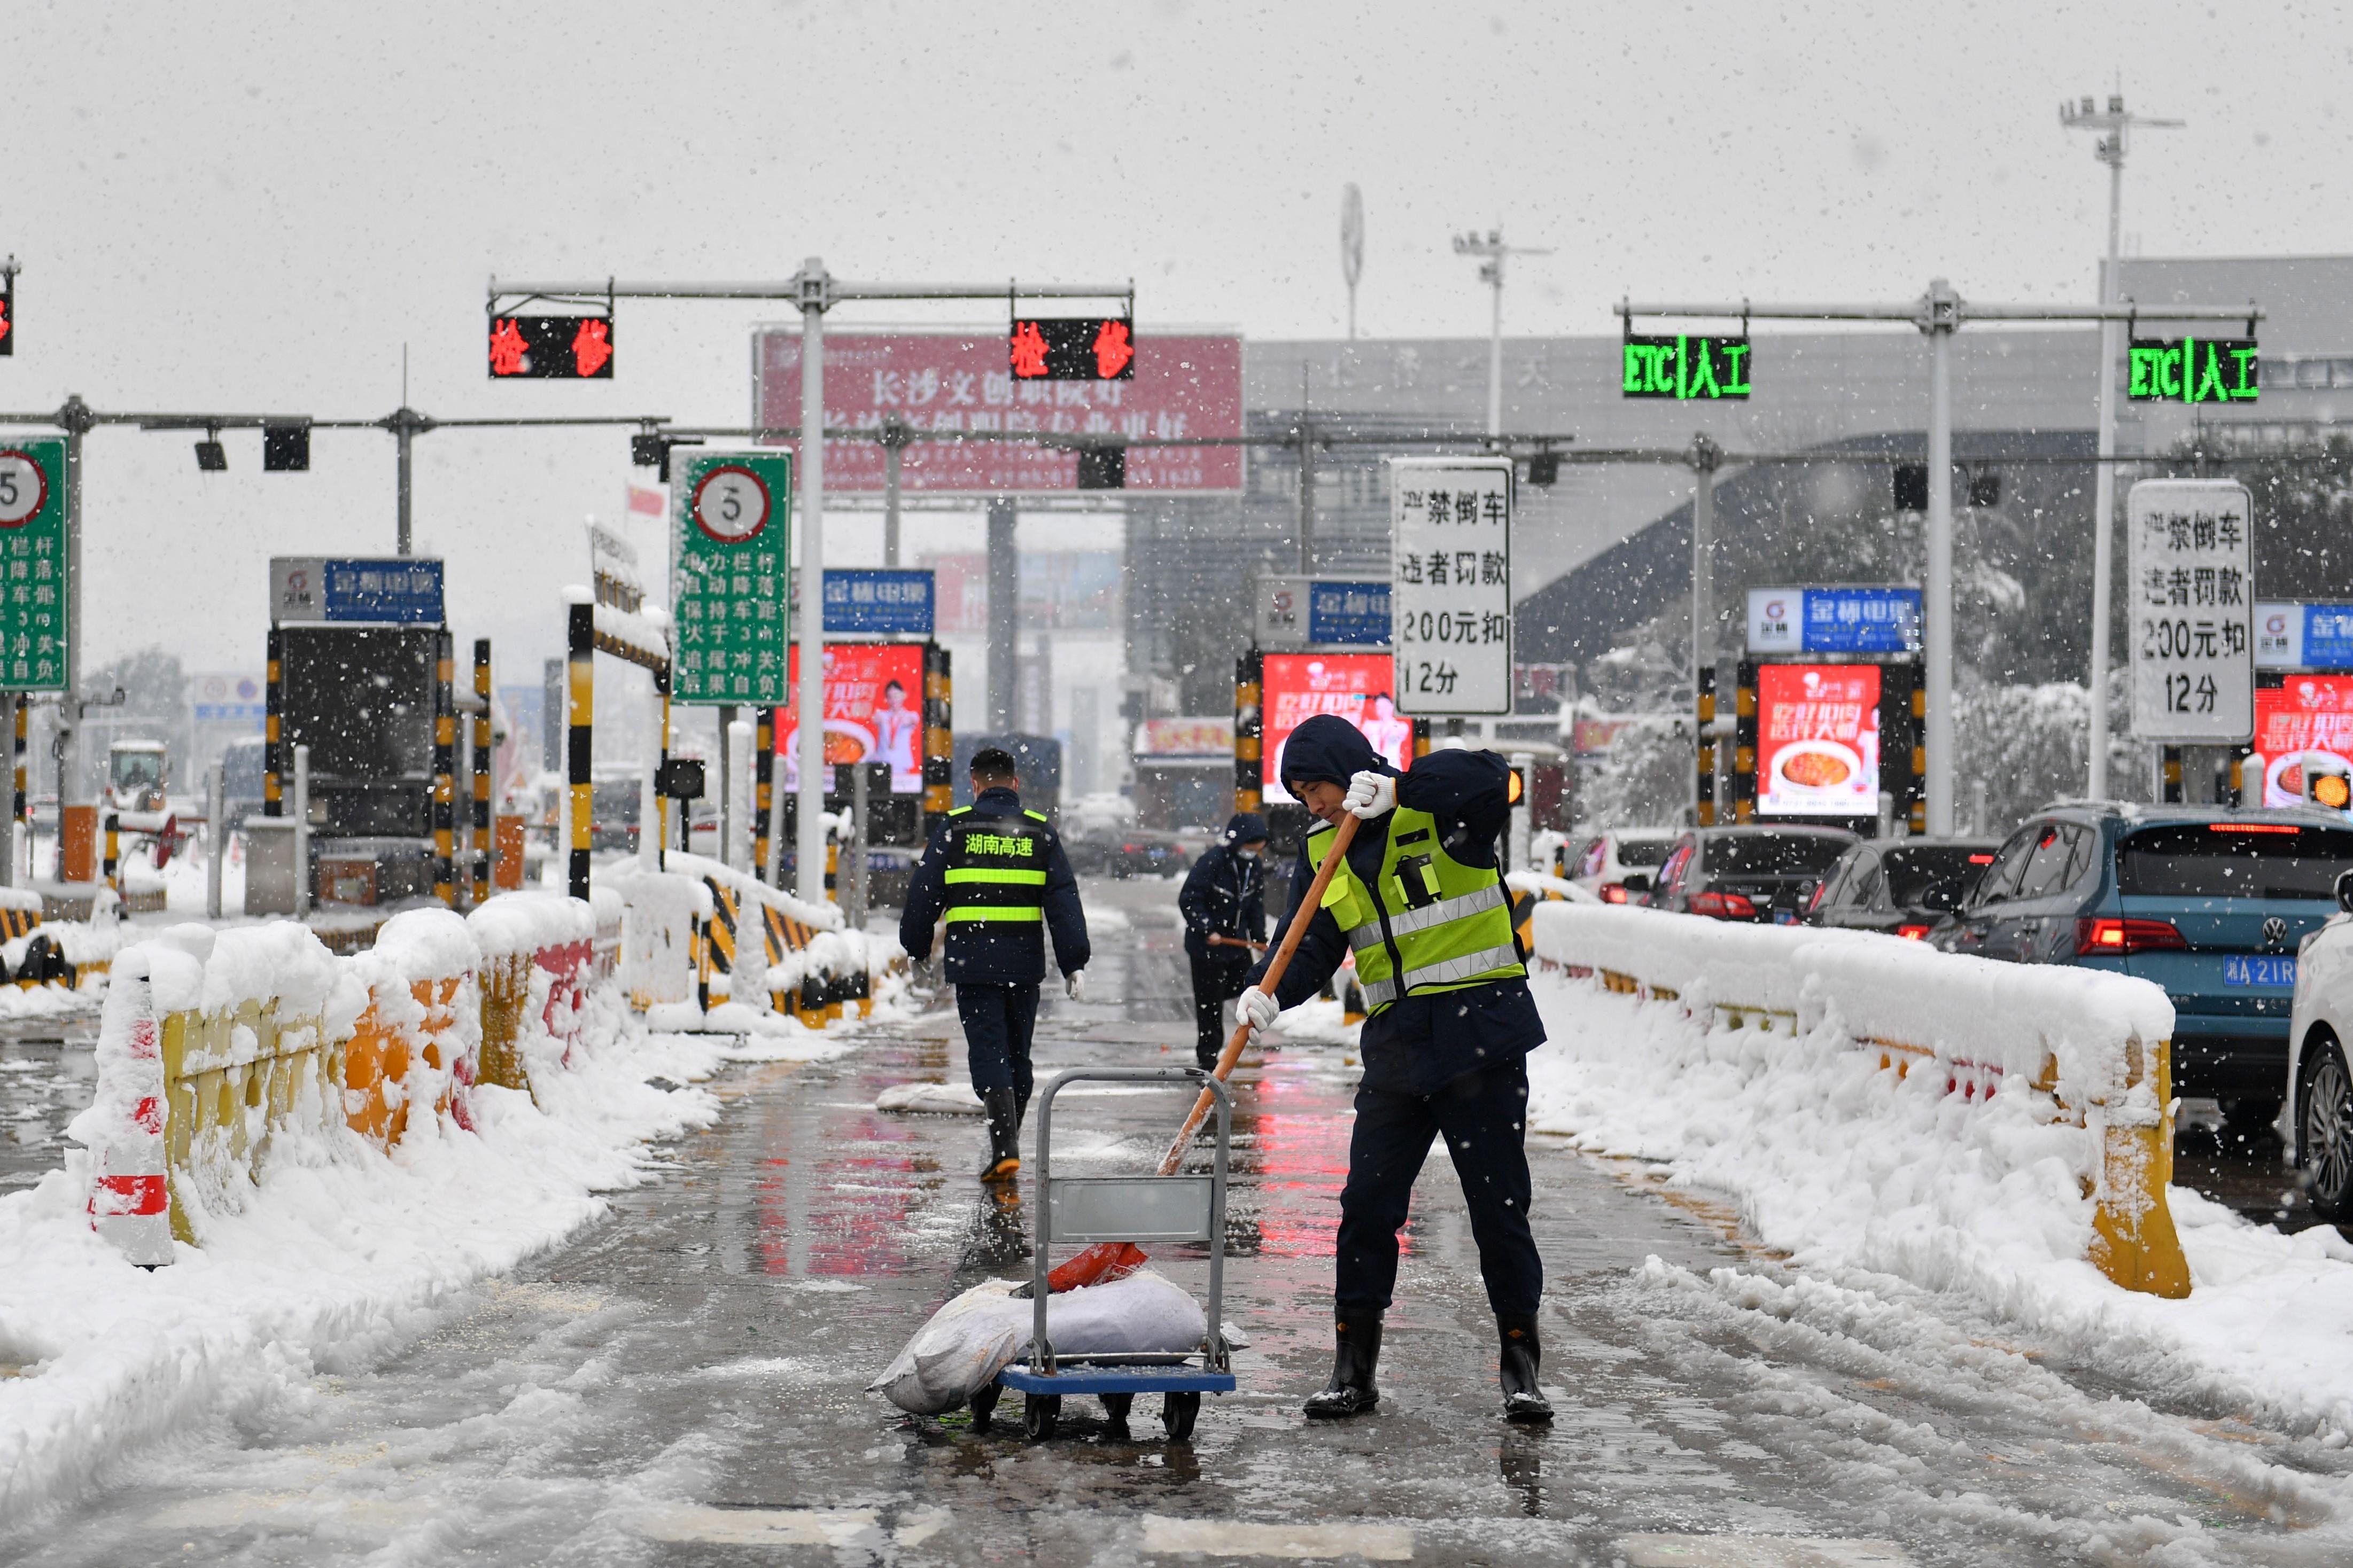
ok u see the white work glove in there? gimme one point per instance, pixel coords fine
(1257, 1009)
(1370, 794)
(1073, 983)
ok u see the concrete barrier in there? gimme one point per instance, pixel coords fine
(2093, 1045)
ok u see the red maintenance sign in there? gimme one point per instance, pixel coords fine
(1177, 388)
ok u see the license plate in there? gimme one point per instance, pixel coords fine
(2270, 972)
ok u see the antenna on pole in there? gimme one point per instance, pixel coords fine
(1352, 244)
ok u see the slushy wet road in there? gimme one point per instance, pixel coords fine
(683, 1382)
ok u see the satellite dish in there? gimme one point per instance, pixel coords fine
(1352, 233)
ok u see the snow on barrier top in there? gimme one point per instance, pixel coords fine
(423, 944)
(751, 890)
(2097, 1044)
(196, 969)
(529, 922)
(24, 899)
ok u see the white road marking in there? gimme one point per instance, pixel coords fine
(1231, 1538)
(1759, 1551)
(757, 1526)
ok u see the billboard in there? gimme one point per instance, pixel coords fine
(2306, 719)
(1834, 620)
(873, 711)
(1817, 739)
(1298, 686)
(1184, 388)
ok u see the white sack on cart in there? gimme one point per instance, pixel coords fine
(972, 1339)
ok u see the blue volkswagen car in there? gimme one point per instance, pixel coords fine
(2209, 903)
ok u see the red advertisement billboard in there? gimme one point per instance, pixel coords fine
(873, 711)
(2305, 721)
(1184, 388)
(1817, 739)
(1297, 686)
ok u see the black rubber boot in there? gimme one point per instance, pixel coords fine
(1206, 1058)
(1523, 1400)
(1004, 1136)
(1356, 1351)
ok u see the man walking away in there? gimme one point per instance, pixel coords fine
(995, 875)
(1224, 906)
(1420, 897)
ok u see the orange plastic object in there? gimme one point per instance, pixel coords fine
(1098, 1266)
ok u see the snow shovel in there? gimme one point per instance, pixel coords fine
(1109, 1260)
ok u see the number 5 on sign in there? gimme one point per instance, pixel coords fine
(23, 487)
(36, 614)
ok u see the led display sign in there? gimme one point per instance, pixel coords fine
(2192, 369)
(550, 348)
(1685, 368)
(1073, 348)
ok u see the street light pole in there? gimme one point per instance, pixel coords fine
(1938, 320)
(1491, 249)
(809, 839)
(2112, 127)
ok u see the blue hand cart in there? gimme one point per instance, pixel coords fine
(1085, 1209)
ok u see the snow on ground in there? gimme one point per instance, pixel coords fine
(1857, 1173)
(342, 1256)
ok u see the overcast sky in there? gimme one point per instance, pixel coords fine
(255, 208)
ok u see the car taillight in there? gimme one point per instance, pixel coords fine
(1613, 892)
(1913, 932)
(2115, 936)
(1722, 906)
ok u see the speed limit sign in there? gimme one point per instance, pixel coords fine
(24, 487)
(731, 504)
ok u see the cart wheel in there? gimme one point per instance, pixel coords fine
(984, 1406)
(1177, 1414)
(1116, 1406)
(1039, 1411)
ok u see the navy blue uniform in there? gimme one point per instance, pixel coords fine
(997, 876)
(1450, 1063)
(1224, 895)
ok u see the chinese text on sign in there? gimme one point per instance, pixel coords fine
(1450, 576)
(32, 597)
(731, 550)
(2193, 611)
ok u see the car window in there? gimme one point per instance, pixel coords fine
(1862, 880)
(2235, 860)
(2002, 877)
(2061, 854)
(1776, 853)
(1596, 855)
(1834, 886)
(1913, 873)
(1641, 851)
(1671, 875)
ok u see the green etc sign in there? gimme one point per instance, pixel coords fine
(1685, 368)
(2192, 369)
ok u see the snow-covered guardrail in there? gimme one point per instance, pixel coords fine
(2081, 1047)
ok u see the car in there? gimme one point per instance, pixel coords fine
(1142, 852)
(2209, 902)
(2319, 1079)
(1900, 885)
(1766, 874)
(1616, 865)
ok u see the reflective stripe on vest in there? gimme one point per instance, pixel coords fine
(991, 874)
(1445, 973)
(1030, 914)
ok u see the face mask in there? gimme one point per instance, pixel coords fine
(1247, 853)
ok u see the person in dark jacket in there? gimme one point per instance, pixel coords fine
(1419, 899)
(995, 875)
(1224, 906)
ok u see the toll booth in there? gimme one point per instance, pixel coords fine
(359, 672)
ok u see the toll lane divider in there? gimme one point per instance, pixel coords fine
(2082, 1047)
(213, 1045)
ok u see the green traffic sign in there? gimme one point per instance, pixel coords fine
(2192, 369)
(730, 577)
(1685, 368)
(33, 598)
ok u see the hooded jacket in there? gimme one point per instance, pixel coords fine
(1422, 1042)
(995, 954)
(1225, 894)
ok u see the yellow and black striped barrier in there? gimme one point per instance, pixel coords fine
(483, 772)
(445, 777)
(580, 688)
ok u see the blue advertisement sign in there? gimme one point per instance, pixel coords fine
(406, 591)
(1834, 620)
(877, 603)
(1348, 613)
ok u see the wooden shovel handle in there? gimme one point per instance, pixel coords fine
(1275, 966)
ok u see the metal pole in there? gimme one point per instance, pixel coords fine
(302, 831)
(1938, 632)
(773, 872)
(731, 806)
(78, 420)
(2104, 499)
(650, 802)
(216, 838)
(1495, 348)
(853, 869)
(1306, 476)
(1004, 614)
(402, 435)
(1705, 455)
(809, 837)
(894, 441)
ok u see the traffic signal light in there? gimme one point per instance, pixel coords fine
(8, 317)
(1072, 348)
(1516, 788)
(1911, 487)
(1543, 468)
(648, 451)
(552, 348)
(285, 448)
